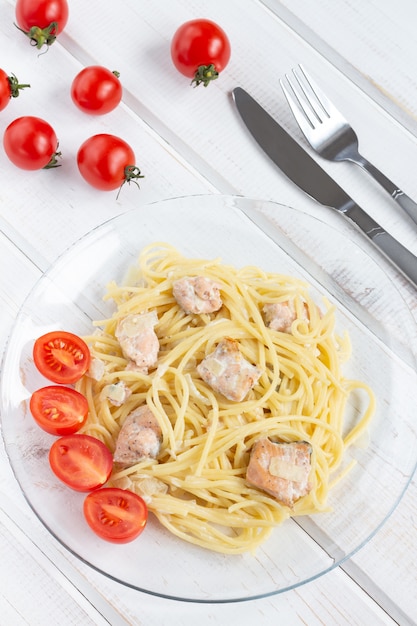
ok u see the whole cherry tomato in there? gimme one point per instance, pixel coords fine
(96, 90)
(41, 20)
(62, 357)
(200, 49)
(107, 162)
(116, 515)
(31, 143)
(9, 88)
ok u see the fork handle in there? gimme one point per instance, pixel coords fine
(392, 249)
(399, 196)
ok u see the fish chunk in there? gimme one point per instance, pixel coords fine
(281, 469)
(228, 372)
(138, 340)
(197, 295)
(281, 315)
(139, 438)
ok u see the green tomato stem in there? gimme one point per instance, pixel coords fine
(41, 36)
(205, 74)
(15, 86)
(132, 173)
(53, 162)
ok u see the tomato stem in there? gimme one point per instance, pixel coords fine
(205, 74)
(15, 86)
(53, 162)
(41, 36)
(132, 173)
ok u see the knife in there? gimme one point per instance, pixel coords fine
(302, 170)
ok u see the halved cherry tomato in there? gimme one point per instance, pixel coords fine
(31, 143)
(61, 356)
(41, 20)
(116, 515)
(9, 88)
(82, 462)
(59, 410)
(200, 49)
(107, 162)
(96, 90)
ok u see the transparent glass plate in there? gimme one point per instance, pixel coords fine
(241, 231)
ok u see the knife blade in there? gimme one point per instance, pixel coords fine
(302, 170)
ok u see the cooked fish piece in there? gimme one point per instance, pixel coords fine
(138, 339)
(139, 438)
(197, 295)
(281, 315)
(228, 372)
(281, 469)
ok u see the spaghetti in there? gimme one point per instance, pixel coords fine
(197, 487)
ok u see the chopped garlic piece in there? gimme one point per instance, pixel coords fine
(116, 393)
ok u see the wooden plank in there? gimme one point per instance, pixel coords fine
(373, 43)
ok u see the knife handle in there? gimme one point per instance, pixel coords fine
(393, 250)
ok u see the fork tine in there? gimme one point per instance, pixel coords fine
(301, 112)
(327, 106)
(309, 95)
(306, 97)
(308, 102)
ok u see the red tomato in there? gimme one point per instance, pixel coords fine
(59, 410)
(96, 90)
(82, 462)
(61, 356)
(116, 515)
(200, 49)
(9, 88)
(31, 143)
(41, 20)
(107, 162)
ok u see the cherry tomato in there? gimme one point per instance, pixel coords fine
(82, 462)
(96, 90)
(9, 88)
(107, 162)
(61, 356)
(59, 410)
(200, 49)
(116, 515)
(41, 20)
(31, 143)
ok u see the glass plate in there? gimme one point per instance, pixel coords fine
(241, 231)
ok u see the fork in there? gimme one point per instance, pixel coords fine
(330, 134)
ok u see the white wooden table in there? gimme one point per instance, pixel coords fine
(188, 141)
